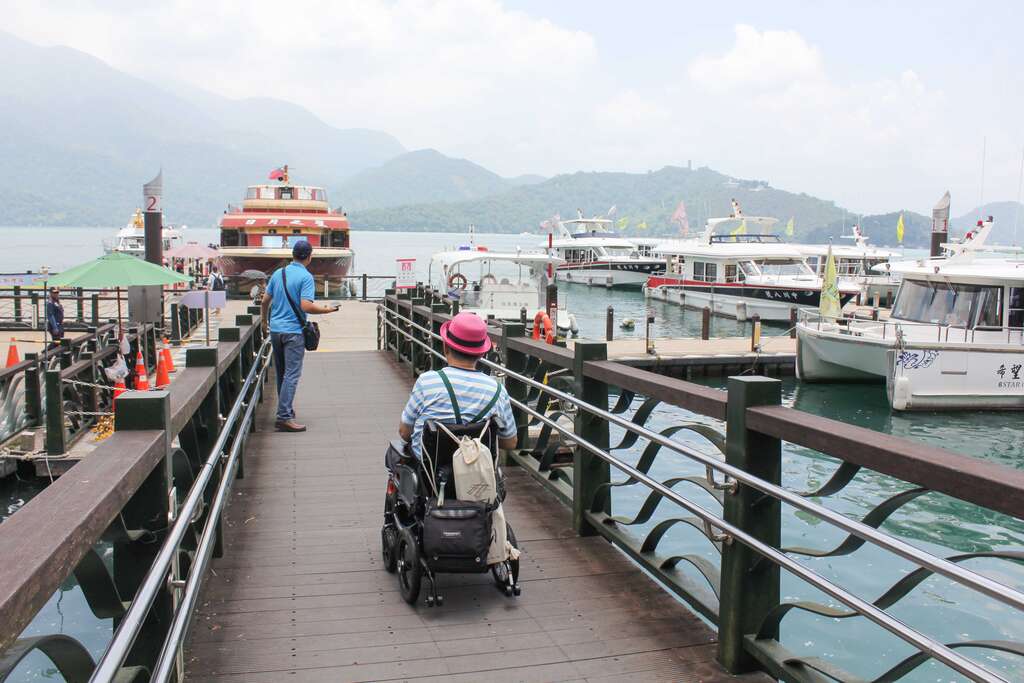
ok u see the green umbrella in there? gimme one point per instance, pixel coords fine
(116, 270)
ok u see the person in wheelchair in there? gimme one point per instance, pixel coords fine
(451, 415)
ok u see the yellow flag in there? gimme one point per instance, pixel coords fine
(742, 230)
(790, 227)
(899, 229)
(829, 305)
(623, 223)
(642, 225)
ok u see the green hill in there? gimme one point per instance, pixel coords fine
(422, 176)
(640, 197)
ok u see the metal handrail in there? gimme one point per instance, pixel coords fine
(909, 552)
(156, 578)
(164, 667)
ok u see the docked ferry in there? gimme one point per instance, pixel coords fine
(131, 239)
(257, 237)
(739, 274)
(595, 255)
(955, 339)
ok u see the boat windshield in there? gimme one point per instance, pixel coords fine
(783, 267)
(621, 251)
(953, 304)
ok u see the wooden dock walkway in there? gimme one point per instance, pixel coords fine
(301, 594)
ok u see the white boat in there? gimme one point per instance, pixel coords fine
(739, 274)
(131, 239)
(954, 339)
(856, 266)
(595, 255)
(499, 285)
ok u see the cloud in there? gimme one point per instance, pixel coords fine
(759, 60)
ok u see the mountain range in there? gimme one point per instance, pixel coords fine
(82, 137)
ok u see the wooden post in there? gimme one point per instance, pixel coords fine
(749, 589)
(56, 438)
(755, 332)
(33, 392)
(792, 322)
(95, 310)
(80, 304)
(516, 362)
(705, 324)
(17, 304)
(874, 313)
(589, 471)
(364, 286)
(609, 324)
(150, 509)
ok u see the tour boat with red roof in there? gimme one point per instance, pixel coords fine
(257, 237)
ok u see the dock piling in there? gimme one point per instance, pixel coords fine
(792, 322)
(609, 324)
(705, 323)
(755, 332)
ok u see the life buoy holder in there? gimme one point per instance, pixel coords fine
(543, 320)
(458, 281)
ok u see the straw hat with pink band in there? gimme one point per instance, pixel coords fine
(467, 333)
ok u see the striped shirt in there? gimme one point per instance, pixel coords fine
(429, 400)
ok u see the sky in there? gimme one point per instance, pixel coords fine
(877, 105)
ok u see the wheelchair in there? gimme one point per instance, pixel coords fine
(409, 500)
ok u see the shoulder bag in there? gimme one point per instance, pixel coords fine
(310, 330)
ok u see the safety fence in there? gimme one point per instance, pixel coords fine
(154, 492)
(24, 308)
(583, 418)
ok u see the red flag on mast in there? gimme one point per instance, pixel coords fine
(278, 174)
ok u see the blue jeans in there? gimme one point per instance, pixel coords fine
(289, 350)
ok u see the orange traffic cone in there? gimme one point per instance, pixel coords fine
(119, 388)
(12, 354)
(141, 378)
(162, 378)
(166, 352)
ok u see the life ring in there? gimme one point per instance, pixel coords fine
(489, 279)
(540, 320)
(458, 281)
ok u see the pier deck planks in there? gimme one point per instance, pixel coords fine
(300, 594)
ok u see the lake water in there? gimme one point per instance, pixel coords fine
(934, 522)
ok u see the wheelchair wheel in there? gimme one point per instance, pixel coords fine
(388, 547)
(410, 571)
(500, 571)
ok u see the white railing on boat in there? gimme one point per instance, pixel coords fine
(912, 331)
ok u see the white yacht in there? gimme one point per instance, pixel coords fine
(953, 341)
(499, 284)
(595, 255)
(131, 239)
(855, 265)
(739, 274)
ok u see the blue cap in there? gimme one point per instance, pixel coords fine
(302, 250)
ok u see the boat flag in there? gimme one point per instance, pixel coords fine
(790, 227)
(277, 174)
(828, 305)
(642, 225)
(899, 229)
(622, 223)
(612, 211)
(679, 216)
(742, 230)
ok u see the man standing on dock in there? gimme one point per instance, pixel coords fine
(289, 290)
(55, 316)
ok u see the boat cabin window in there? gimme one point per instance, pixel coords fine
(286, 193)
(229, 238)
(953, 304)
(620, 251)
(339, 238)
(705, 272)
(749, 269)
(781, 267)
(1016, 314)
(272, 241)
(732, 273)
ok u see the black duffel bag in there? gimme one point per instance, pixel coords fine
(457, 536)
